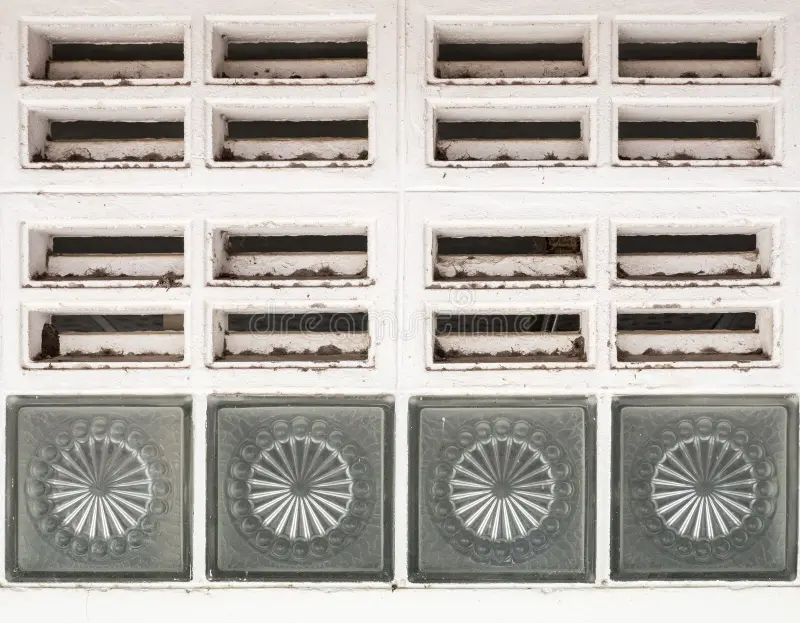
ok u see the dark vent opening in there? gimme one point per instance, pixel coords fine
(508, 245)
(70, 52)
(286, 50)
(341, 322)
(510, 52)
(716, 243)
(239, 245)
(685, 50)
(114, 323)
(688, 130)
(447, 324)
(243, 130)
(116, 245)
(739, 321)
(114, 130)
(508, 130)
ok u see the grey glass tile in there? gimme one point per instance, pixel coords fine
(705, 487)
(501, 489)
(300, 489)
(98, 488)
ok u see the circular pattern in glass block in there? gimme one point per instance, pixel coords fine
(299, 490)
(501, 491)
(97, 487)
(703, 489)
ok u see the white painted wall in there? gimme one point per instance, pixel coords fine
(399, 198)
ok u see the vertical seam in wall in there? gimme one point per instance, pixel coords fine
(400, 459)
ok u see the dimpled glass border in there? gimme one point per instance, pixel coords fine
(534, 517)
(704, 488)
(98, 488)
(300, 488)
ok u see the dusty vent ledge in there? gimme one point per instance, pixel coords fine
(105, 338)
(680, 136)
(306, 259)
(316, 52)
(138, 260)
(523, 136)
(123, 137)
(677, 338)
(300, 339)
(511, 53)
(113, 54)
(508, 338)
(507, 259)
(700, 258)
(696, 52)
(322, 137)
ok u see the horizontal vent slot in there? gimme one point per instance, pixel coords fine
(508, 338)
(680, 140)
(117, 52)
(118, 323)
(505, 323)
(295, 141)
(696, 50)
(320, 51)
(495, 51)
(745, 321)
(327, 257)
(296, 337)
(693, 336)
(120, 53)
(238, 245)
(509, 130)
(689, 130)
(509, 140)
(246, 130)
(688, 51)
(91, 140)
(287, 50)
(299, 323)
(508, 258)
(681, 257)
(295, 61)
(117, 245)
(142, 338)
(511, 52)
(101, 258)
(686, 243)
(114, 130)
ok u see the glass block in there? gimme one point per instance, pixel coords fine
(300, 489)
(501, 490)
(98, 488)
(704, 488)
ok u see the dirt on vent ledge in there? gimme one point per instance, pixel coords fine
(575, 354)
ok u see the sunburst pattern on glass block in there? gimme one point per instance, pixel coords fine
(299, 490)
(502, 491)
(97, 488)
(704, 489)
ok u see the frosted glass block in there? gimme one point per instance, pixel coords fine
(300, 489)
(98, 488)
(501, 490)
(705, 487)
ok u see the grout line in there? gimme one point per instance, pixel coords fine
(602, 490)
(558, 189)
(199, 494)
(400, 462)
